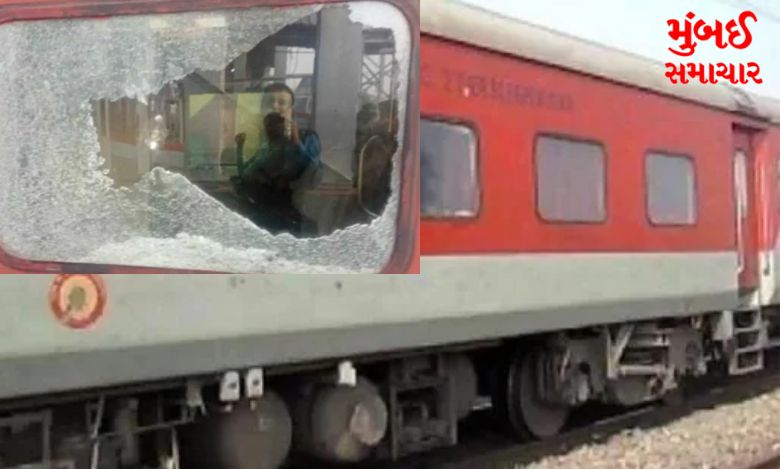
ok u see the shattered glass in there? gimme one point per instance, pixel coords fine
(57, 201)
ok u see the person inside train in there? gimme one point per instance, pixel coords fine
(287, 160)
(372, 164)
(265, 181)
(280, 98)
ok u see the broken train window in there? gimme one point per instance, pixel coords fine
(257, 140)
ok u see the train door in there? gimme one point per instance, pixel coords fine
(746, 212)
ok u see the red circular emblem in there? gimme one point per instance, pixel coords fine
(77, 300)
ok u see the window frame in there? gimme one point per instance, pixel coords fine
(478, 173)
(404, 254)
(605, 171)
(645, 175)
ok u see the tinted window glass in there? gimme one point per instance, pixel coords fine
(570, 179)
(448, 170)
(670, 189)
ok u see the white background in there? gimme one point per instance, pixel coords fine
(639, 26)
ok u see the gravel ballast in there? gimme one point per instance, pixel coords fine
(731, 436)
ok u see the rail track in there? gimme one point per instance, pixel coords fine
(598, 424)
(482, 446)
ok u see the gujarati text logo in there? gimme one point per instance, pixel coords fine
(735, 33)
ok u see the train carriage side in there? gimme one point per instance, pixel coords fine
(579, 243)
(130, 161)
(631, 219)
(590, 198)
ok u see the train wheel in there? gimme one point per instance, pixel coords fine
(517, 403)
(341, 423)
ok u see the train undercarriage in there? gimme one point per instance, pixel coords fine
(383, 407)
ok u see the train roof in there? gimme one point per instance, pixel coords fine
(450, 19)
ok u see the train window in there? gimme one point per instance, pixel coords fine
(259, 139)
(570, 180)
(671, 189)
(448, 170)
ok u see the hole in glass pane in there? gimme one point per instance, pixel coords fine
(262, 139)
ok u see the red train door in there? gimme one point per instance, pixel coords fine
(747, 213)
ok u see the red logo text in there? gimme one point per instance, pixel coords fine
(734, 33)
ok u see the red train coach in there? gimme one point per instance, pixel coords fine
(621, 220)
(588, 233)
(178, 137)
